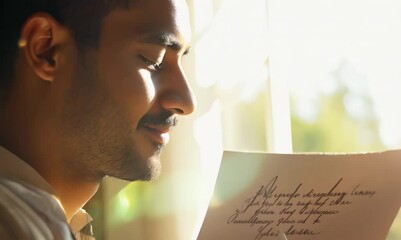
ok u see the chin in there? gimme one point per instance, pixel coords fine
(136, 164)
(144, 169)
(152, 170)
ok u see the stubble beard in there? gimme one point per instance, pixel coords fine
(107, 146)
(99, 136)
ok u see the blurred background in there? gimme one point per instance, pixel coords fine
(269, 75)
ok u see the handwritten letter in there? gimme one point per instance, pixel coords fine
(298, 196)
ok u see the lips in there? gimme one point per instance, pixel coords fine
(158, 133)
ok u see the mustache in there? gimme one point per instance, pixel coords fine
(165, 119)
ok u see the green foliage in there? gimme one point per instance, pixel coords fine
(334, 129)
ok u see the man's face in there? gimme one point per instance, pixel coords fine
(125, 95)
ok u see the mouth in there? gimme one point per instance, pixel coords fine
(158, 126)
(159, 134)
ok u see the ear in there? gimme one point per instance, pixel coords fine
(40, 39)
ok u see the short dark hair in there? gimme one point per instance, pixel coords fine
(82, 17)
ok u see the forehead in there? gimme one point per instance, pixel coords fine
(149, 17)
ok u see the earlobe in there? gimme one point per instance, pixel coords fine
(39, 46)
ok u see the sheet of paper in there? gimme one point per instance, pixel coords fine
(299, 197)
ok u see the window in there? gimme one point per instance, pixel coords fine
(340, 60)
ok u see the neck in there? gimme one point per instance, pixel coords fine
(25, 134)
(30, 128)
(74, 195)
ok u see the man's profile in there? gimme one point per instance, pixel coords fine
(88, 89)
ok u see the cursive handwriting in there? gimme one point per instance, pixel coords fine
(296, 212)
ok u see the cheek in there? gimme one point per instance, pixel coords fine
(149, 88)
(131, 87)
(134, 92)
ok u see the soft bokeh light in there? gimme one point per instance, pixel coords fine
(233, 51)
(314, 38)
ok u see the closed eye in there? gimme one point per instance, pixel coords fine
(151, 64)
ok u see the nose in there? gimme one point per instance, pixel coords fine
(176, 94)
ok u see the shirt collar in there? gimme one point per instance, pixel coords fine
(13, 168)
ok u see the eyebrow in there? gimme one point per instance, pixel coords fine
(166, 39)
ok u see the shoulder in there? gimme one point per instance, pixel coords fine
(6, 222)
(24, 214)
(13, 213)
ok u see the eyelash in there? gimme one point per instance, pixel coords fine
(153, 65)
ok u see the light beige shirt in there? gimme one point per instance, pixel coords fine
(28, 207)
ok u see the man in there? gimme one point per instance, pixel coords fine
(92, 90)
